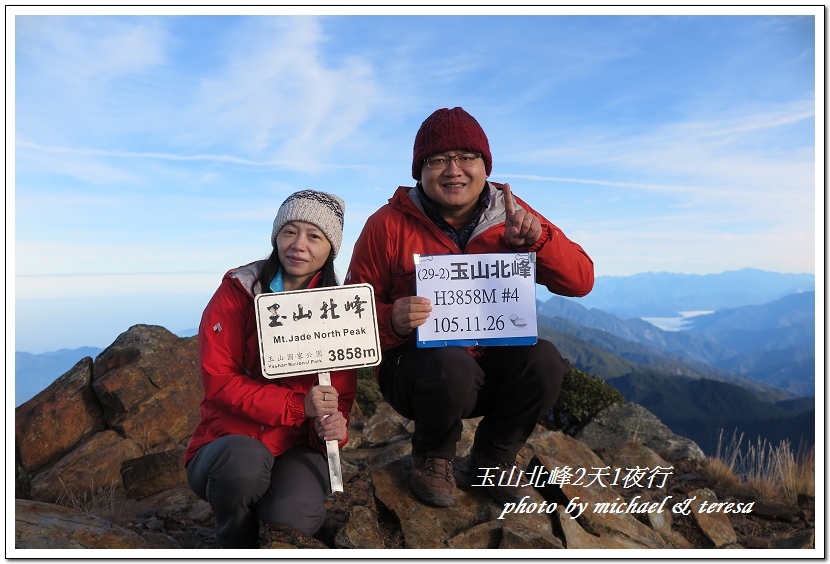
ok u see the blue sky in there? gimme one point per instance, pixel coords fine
(151, 153)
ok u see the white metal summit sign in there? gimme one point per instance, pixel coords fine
(317, 330)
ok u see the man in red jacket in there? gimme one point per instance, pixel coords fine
(454, 209)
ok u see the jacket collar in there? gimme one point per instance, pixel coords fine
(246, 277)
(406, 200)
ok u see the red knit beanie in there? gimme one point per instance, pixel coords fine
(447, 130)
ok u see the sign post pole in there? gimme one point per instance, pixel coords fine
(332, 449)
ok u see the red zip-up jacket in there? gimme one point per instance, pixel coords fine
(238, 399)
(383, 254)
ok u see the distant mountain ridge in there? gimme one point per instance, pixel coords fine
(34, 372)
(696, 347)
(772, 344)
(703, 409)
(788, 321)
(693, 400)
(640, 357)
(665, 294)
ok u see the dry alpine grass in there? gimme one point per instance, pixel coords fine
(762, 471)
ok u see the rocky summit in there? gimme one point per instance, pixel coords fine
(98, 464)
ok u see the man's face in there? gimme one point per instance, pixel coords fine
(453, 187)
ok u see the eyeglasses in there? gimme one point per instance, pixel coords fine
(463, 160)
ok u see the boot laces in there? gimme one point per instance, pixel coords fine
(436, 468)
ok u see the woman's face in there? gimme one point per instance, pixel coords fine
(455, 189)
(303, 250)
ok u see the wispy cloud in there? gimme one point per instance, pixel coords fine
(86, 52)
(272, 99)
(216, 158)
(276, 96)
(761, 163)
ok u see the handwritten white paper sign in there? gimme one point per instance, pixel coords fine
(487, 299)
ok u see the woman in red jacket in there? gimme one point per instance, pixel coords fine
(258, 452)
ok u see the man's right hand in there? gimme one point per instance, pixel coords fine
(408, 313)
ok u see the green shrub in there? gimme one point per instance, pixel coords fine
(368, 392)
(582, 396)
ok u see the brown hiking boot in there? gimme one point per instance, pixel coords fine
(505, 482)
(432, 480)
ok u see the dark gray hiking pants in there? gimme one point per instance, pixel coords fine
(245, 484)
(439, 387)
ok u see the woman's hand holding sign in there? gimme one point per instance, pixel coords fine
(331, 427)
(521, 229)
(321, 400)
(321, 405)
